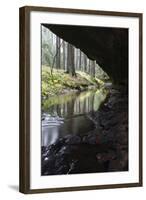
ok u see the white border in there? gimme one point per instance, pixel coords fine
(132, 176)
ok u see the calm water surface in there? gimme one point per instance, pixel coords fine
(69, 114)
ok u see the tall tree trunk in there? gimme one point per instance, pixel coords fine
(70, 60)
(58, 52)
(80, 59)
(89, 67)
(93, 68)
(63, 54)
(52, 42)
(85, 63)
(76, 59)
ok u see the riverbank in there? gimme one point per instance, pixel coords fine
(104, 149)
(60, 82)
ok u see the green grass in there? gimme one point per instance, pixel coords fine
(60, 82)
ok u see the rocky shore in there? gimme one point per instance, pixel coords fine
(105, 149)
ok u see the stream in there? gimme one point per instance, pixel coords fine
(69, 114)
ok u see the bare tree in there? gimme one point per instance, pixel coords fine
(93, 68)
(58, 52)
(63, 44)
(80, 59)
(70, 60)
(85, 62)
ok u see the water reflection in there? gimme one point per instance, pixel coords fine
(68, 114)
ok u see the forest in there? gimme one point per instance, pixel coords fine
(66, 68)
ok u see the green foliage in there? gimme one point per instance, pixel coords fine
(60, 82)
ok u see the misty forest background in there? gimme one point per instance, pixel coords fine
(66, 68)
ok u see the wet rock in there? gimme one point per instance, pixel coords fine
(85, 140)
(59, 143)
(62, 169)
(111, 155)
(73, 140)
(46, 159)
(44, 149)
(46, 154)
(49, 158)
(59, 161)
(67, 137)
(54, 148)
(73, 168)
(65, 150)
(48, 164)
(90, 139)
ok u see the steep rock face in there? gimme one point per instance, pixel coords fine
(108, 46)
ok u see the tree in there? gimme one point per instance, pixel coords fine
(48, 49)
(76, 58)
(57, 52)
(89, 65)
(85, 62)
(80, 59)
(93, 68)
(63, 59)
(70, 60)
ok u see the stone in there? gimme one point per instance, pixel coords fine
(65, 150)
(73, 140)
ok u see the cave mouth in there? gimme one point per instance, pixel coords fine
(84, 120)
(107, 46)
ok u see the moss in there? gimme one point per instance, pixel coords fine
(60, 82)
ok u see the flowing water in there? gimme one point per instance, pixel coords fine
(69, 114)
